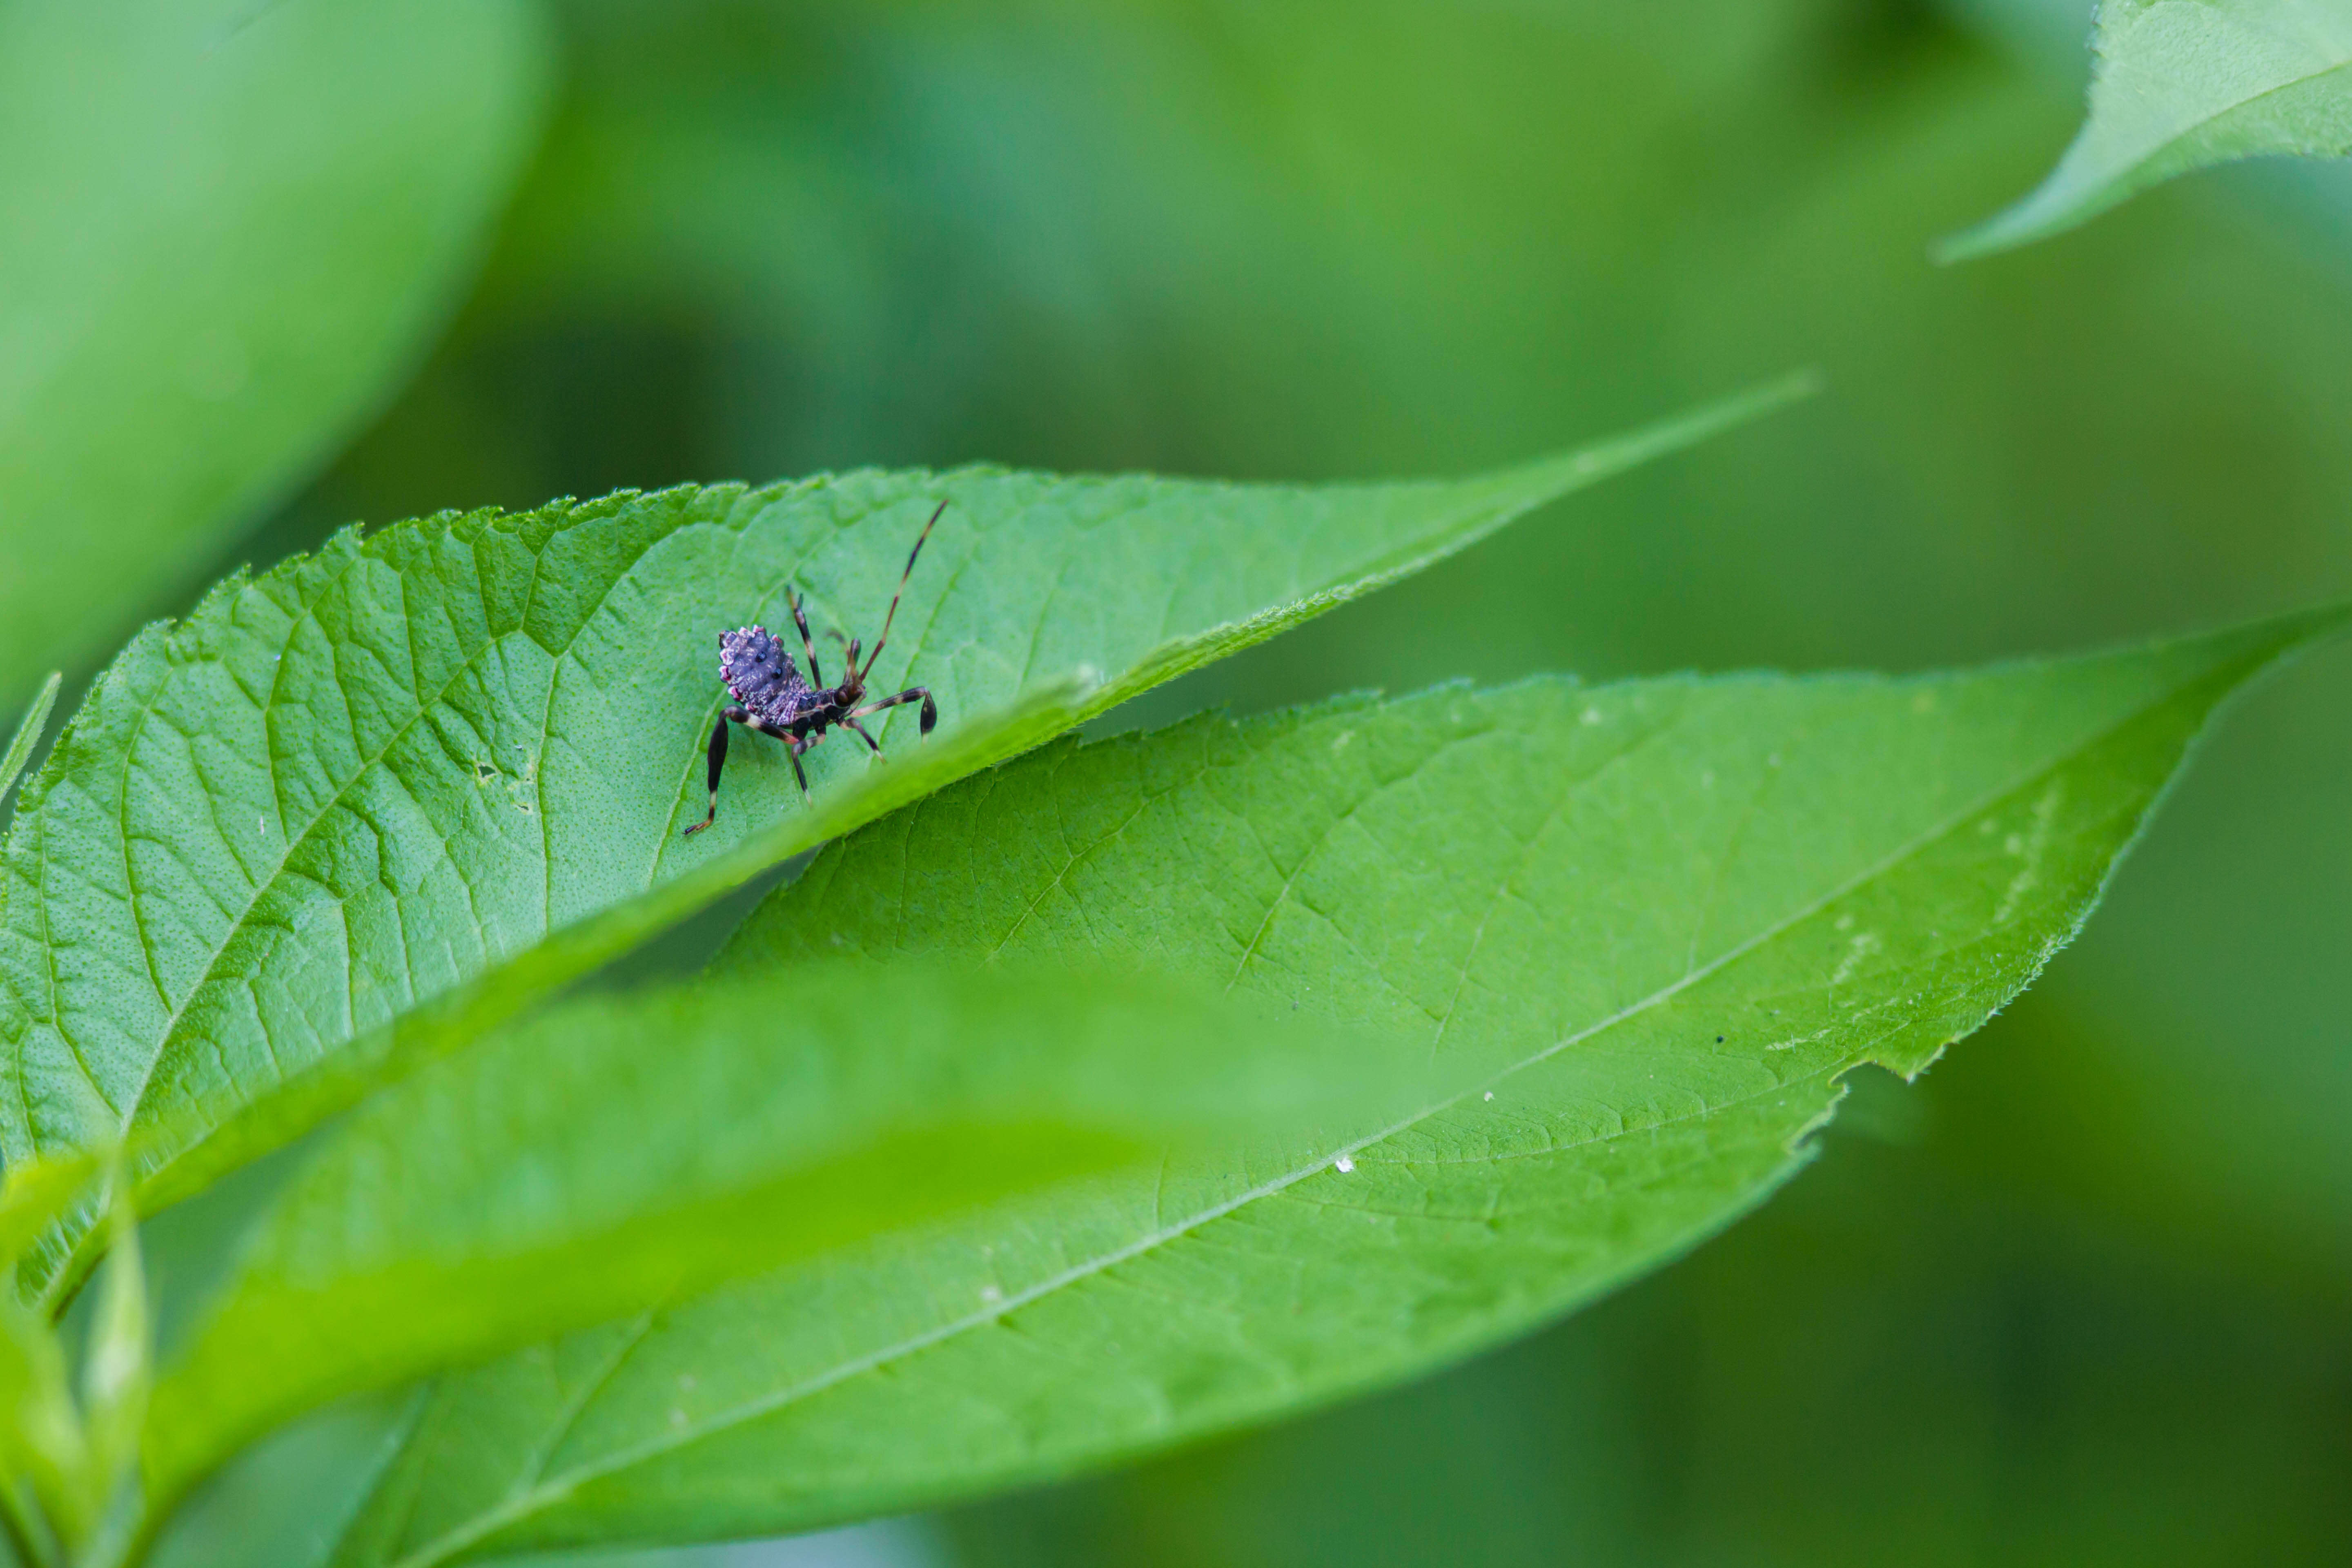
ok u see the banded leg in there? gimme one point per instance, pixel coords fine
(930, 715)
(793, 744)
(718, 765)
(872, 744)
(807, 647)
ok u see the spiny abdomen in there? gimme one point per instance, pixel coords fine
(762, 676)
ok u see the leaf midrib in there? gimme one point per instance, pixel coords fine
(548, 1493)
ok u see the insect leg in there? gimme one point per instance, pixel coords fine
(872, 744)
(793, 744)
(718, 763)
(903, 577)
(930, 715)
(807, 647)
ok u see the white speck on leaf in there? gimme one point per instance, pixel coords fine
(1490, 1094)
(2033, 850)
(1863, 945)
(1820, 1033)
(1591, 715)
(1344, 1163)
(992, 1294)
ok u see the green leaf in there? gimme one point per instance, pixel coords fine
(225, 231)
(28, 733)
(45, 1497)
(428, 776)
(1649, 924)
(619, 1151)
(284, 1502)
(35, 1191)
(118, 1369)
(60, 1473)
(2177, 85)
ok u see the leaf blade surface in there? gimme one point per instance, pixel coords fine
(623, 1149)
(431, 774)
(2179, 85)
(1654, 923)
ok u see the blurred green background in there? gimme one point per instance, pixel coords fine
(2081, 1295)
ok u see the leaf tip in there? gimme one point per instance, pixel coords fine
(2001, 232)
(2065, 199)
(1805, 380)
(1768, 397)
(28, 732)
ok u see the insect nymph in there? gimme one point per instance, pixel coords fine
(772, 698)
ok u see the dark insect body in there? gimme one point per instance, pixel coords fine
(772, 698)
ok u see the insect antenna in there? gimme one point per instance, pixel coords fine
(903, 577)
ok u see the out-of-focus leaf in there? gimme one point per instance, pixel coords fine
(117, 1373)
(58, 1472)
(445, 764)
(1651, 923)
(43, 1460)
(623, 1151)
(2177, 85)
(225, 229)
(28, 733)
(37, 1190)
(283, 1501)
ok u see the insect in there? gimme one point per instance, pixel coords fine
(772, 699)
